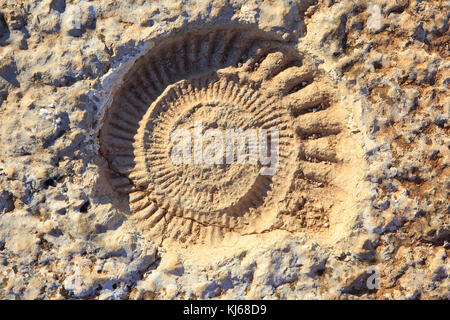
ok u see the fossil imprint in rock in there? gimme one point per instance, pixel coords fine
(227, 78)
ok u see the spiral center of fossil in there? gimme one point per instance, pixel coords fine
(215, 114)
(205, 136)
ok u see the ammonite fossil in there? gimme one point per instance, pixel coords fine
(224, 78)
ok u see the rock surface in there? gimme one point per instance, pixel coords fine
(376, 227)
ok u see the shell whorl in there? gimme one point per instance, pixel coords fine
(227, 78)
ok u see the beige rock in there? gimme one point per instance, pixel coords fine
(93, 207)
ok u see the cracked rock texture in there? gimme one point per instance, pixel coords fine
(62, 236)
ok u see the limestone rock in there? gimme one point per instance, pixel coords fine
(93, 206)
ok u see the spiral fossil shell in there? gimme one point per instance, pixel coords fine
(227, 77)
